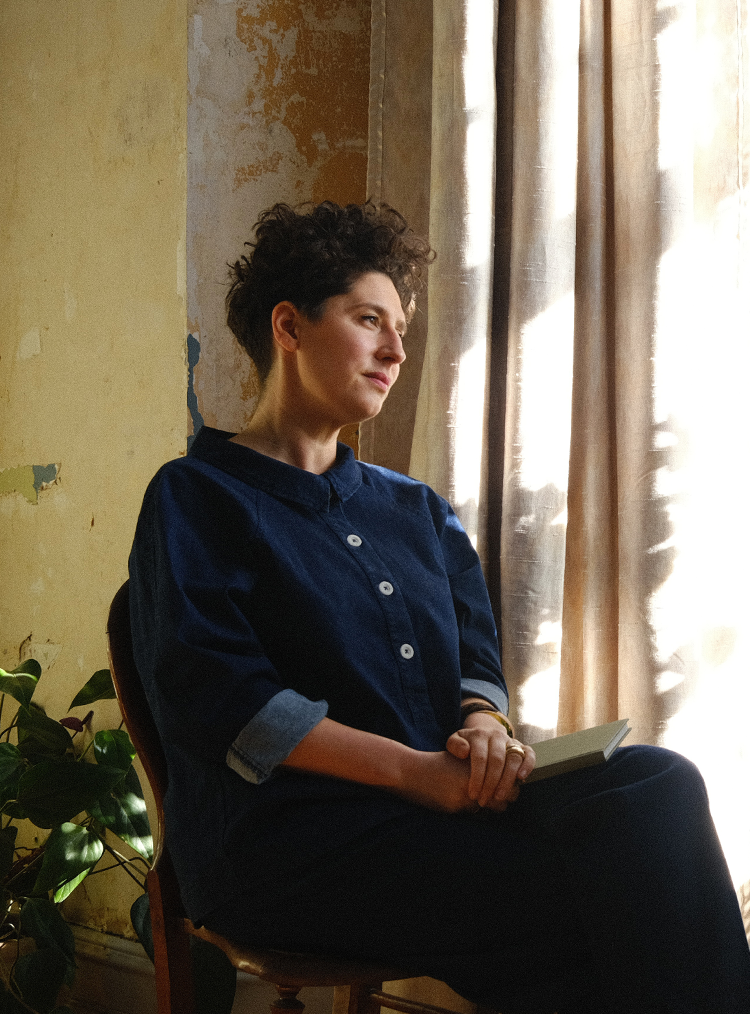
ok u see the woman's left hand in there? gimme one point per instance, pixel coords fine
(495, 773)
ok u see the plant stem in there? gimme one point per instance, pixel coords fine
(139, 858)
(7, 732)
(84, 752)
(104, 869)
(122, 861)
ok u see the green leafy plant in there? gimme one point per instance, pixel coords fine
(81, 789)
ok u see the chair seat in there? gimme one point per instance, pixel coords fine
(285, 968)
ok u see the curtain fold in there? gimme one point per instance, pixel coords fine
(592, 436)
(588, 693)
(539, 336)
(452, 390)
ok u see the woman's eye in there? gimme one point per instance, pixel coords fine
(371, 317)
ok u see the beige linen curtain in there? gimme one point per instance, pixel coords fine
(583, 397)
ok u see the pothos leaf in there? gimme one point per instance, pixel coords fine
(21, 683)
(99, 688)
(52, 792)
(70, 853)
(123, 811)
(113, 748)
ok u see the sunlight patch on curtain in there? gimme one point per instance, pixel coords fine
(546, 380)
(467, 410)
(478, 59)
(699, 614)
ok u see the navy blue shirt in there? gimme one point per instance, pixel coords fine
(264, 597)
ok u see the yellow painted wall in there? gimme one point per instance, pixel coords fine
(97, 211)
(92, 326)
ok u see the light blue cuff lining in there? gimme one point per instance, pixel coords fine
(271, 734)
(490, 691)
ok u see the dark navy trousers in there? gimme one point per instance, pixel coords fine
(604, 891)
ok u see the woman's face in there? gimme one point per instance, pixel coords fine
(348, 360)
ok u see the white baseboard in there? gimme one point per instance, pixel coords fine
(116, 977)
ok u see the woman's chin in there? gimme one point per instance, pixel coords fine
(373, 412)
(365, 410)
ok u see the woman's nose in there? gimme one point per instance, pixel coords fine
(393, 347)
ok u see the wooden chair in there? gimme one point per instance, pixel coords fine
(358, 984)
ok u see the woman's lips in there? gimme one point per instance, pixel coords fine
(380, 379)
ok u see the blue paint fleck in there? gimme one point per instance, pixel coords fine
(194, 352)
(43, 474)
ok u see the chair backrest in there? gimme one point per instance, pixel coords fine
(134, 705)
(174, 971)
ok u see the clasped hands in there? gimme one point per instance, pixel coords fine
(475, 770)
(495, 775)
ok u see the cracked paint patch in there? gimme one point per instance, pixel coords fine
(193, 355)
(28, 480)
(45, 652)
(30, 345)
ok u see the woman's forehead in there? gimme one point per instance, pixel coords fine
(374, 288)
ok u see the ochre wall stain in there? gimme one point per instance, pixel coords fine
(249, 172)
(312, 61)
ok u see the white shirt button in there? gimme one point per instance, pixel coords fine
(354, 540)
(407, 651)
(386, 587)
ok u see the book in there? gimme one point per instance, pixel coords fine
(578, 749)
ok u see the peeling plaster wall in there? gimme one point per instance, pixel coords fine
(93, 374)
(277, 112)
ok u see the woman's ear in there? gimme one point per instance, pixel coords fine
(284, 317)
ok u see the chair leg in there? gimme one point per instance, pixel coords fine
(287, 1001)
(172, 960)
(360, 999)
(340, 1000)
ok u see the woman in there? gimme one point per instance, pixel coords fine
(318, 648)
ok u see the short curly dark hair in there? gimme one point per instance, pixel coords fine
(306, 257)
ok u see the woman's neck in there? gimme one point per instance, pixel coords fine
(273, 432)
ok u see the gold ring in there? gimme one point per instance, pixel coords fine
(515, 748)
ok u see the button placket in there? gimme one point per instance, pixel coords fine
(412, 678)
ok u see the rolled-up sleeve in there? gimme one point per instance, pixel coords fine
(271, 735)
(489, 691)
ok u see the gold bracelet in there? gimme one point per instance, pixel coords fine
(476, 708)
(504, 722)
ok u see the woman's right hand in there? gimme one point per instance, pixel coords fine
(437, 780)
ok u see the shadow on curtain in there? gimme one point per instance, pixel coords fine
(583, 378)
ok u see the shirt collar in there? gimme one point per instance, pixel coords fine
(276, 477)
